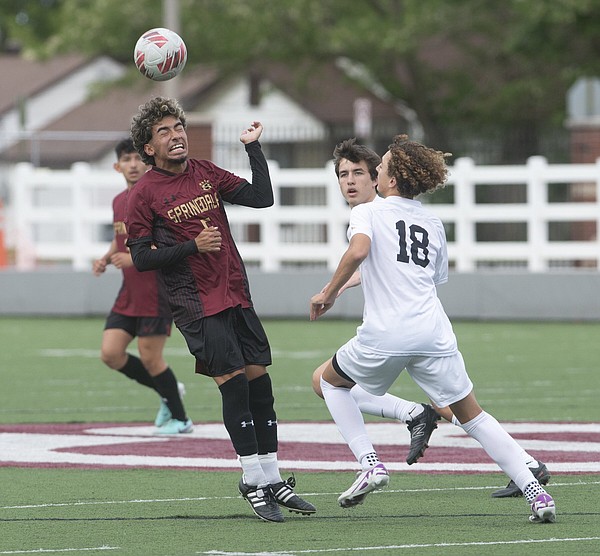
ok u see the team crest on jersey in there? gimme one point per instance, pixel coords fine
(205, 185)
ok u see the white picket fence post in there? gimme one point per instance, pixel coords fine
(65, 216)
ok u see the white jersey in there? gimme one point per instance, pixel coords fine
(408, 258)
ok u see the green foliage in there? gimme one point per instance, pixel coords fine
(467, 63)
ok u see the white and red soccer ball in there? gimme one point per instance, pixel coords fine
(160, 54)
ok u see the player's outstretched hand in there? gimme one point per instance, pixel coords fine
(99, 266)
(319, 305)
(208, 240)
(252, 133)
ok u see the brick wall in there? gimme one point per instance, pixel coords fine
(585, 143)
(200, 140)
(585, 149)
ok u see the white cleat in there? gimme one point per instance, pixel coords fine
(367, 481)
(543, 509)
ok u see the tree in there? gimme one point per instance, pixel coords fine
(466, 67)
(27, 22)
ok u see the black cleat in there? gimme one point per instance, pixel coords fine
(287, 498)
(261, 501)
(420, 429)
(540, 472)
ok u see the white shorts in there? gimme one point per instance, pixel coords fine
(443, 379)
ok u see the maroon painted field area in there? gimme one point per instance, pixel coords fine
(564, 447)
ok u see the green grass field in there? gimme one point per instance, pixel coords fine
(50, 373)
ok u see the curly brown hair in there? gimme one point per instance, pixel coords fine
(355, 152)
(417, 168)
(148, 115)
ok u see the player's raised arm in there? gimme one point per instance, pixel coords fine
(259, 192)
(251, 133)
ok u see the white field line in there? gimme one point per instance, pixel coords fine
(398, 547)
(209, 498)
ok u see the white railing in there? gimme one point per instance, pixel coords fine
(65, 217)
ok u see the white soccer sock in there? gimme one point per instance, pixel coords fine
(501, 447)
(348, 418)
(253, 471)
(529, 460)
(369, 460)
(532, 491)
(387, 405)
(270, 467)
(416, 411)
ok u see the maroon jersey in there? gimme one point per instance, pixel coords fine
(142, 293)
(171, 209)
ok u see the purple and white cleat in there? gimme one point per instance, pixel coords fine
(543, 509)
(367, 481)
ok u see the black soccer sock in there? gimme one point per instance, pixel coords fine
(237, 417)
(135, 370)
(166, 385)
(263, 412)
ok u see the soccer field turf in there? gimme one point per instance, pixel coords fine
(523, 372)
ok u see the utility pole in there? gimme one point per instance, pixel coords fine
(171, 20)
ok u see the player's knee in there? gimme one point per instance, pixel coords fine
(316, 383)
(113, 359)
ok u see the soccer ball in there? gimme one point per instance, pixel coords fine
(160, 54)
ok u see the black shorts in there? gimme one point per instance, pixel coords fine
(139, 326)
(338, 369)
(227, 341)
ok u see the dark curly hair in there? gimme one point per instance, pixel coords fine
(417, 168)
(148, 115)
(355, 152)
(124, 146)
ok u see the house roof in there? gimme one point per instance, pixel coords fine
(96, 125)
(24, 78)
(324, 90)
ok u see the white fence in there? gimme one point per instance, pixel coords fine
(65, 217)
